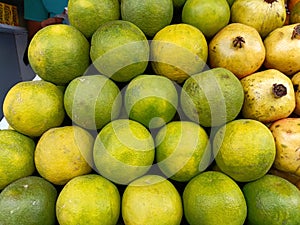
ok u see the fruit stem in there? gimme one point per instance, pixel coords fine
(279, 90)
(296, 32)
(238, 42)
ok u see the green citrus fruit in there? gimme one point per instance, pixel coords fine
(151, 100)
(213, 97)
(178, 51)
(208, 16)
(59, 53)
(295, 14)
(92, 101)
(244, 149)
(182, 150)
(123, 151)
(28, 201)
(151, 200)
(63, 153)
(272, 200)
(88, 15)
(88, 199)
(119, 50)
(16, 156)
(149, 15)
(32, 107)
(214, 198)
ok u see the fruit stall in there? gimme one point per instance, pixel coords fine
(149, 112)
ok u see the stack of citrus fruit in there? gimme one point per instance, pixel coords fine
(156, 112)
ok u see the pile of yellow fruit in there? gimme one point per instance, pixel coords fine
(157, 112)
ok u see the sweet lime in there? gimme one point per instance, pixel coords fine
(16, 156)
(213, 97)
(63, 153)
(119, 50)
(214, 198)
(151, 200)
(244, 149)
(59, 53)
(272, 200)
(32, 107)
(123, 151)
(88, 15)
(149, 15)
(88, 199)
(182, 150)
(178, 51)
(208, 16)
(28, 201)
(151, 100)
(92, 101)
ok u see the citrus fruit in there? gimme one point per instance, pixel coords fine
(269, 96)
(149, 15)
(88, 199)
(272, 200)
(213, 198)
(123, 151)
(59, 53)
(244, 149)
(212, 98)
(119, 50)
(295, 14)
(286, 133)
(88, 15)
(182, 150)
(151, 100)
(28, 201)
(92, 101)
(177, 51)
(63, 153)
(32, 107)
(151, 200)
(16, 156)
(208, 16)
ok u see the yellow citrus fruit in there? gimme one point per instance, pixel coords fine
(59, 53)
(88, 200)
(213, 198)
(178, 51)
(28, 201)
(151, 200)
(92, 101)
(123, 151)
(32, 107)
(119, 50)
(63, 153)
(212, 98)
(149, 15)
(16, 156)
(88, 15)
(182, 150)
(208, 16)
(272, 200)
(151, 100)
(244, 149)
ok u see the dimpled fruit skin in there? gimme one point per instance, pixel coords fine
(32, 107)
(272, 200)
(28, 201)
(214, 198)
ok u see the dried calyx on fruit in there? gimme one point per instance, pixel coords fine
(279, 90)
(296, 32)
(238, 42)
